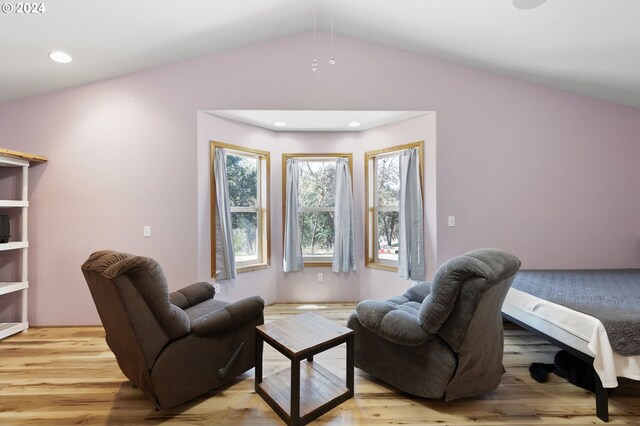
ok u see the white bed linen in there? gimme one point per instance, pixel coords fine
(580, 331)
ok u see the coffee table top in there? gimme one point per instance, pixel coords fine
(303, 333)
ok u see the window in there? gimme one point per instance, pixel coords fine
(247, 183)
(316, 204)
(382, 216)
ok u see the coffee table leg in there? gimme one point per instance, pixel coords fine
(295, 391)
(259, 346)
(350, 359)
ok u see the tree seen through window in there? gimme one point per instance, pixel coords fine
(387, 175)
(242, 181)
(317, 186)
(382, 205)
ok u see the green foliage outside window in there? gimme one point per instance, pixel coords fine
(316, 188)
(247, 184)
(242, 181)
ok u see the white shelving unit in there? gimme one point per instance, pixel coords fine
(20, 161)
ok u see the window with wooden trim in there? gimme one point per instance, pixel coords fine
(382, 197)
(248, 185)
(316, 204)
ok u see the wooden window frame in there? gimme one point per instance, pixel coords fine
(263, 209)
(371, 210)
(309, 261)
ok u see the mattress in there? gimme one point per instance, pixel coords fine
(580, 331)
(611, 295)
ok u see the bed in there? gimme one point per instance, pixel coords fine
(594, 314)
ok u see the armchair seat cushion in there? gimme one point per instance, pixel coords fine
(395, 320)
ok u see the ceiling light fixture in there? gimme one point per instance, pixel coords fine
(354, 124)
(527, 4)
(332, 59)
(314, 63)
(279, 124)
(60, 57)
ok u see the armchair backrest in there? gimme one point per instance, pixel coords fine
(467, 297)
(465, 289)
(132, 299)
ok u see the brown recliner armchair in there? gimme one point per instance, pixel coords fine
(443, 338)
(176, 346)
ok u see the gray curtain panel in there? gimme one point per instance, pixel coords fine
(292, 259)
(411, 261)
(225, 258)
(344, 258)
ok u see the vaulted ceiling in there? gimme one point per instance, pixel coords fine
(590, 47)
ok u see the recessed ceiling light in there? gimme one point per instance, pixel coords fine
(527, 4)
(279, 124)
(61, 57)
(354, 124)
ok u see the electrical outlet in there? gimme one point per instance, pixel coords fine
(216, 287)
(320, 277)
(146, 230)
(452, 221)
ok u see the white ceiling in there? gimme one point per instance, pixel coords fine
(585, 46)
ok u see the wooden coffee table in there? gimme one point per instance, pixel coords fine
(307, 390)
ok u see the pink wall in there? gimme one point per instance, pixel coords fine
(548, 175)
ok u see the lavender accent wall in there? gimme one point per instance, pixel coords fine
(548, 175)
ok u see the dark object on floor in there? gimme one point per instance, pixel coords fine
(173, 346)
(440, 339)
(567, 366)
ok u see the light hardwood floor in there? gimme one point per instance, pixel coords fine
(67, 375)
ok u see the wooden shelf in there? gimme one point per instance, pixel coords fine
(10, 287)
(9, 328)
(14, 245)
(318, 387)
(14, 203)
(32, 158)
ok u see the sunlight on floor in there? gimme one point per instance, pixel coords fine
(311, 307)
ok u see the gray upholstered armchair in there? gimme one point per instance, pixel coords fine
(443, 338)
(176, 346)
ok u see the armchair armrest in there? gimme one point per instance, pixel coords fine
(418, 292)
(230, 317)
(192, 295)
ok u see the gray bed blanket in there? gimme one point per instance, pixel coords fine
(611, 295)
